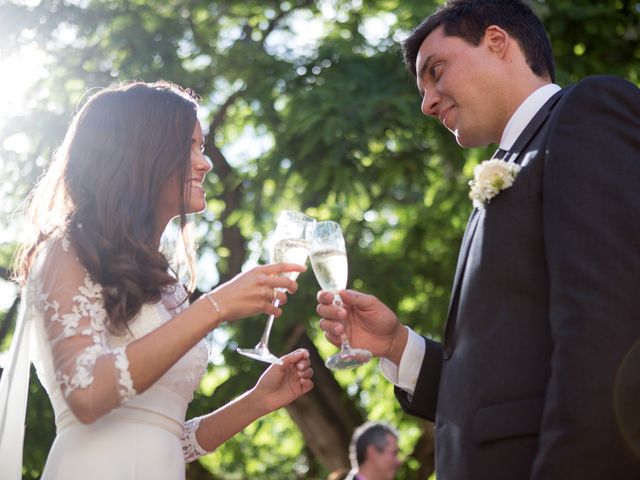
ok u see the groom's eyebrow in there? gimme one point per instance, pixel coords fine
(425, 66)
(423, 70)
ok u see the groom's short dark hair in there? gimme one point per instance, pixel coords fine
(469, 19)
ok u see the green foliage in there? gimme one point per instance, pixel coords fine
(39, 431)
(275, 437)
(331, 126)
(593, 37)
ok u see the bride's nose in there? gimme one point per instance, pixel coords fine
(203, 164)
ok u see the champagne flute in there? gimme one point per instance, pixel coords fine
(328, 255)
(290, 245)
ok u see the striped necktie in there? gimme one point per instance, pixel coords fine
(500, 154)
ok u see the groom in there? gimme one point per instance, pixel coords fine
(537, 376)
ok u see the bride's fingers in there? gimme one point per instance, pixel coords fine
(297, 356)
(283, 283)
(270, 294)
(271, 309)
(302, 364)
(281, 296)
(280, 268)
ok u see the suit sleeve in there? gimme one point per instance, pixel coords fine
(423, 402)
(591, 209)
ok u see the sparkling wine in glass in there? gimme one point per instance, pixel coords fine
(328, 256)
(290, 245)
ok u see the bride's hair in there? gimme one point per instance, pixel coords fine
(102, 191)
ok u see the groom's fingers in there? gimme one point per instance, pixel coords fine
(332, 330)
(331, 313)
(324, 297)
(329, 310)
(362, 301)
(350, 298)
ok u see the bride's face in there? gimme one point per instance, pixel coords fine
(195, 199)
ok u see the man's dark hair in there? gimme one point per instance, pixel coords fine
(469, 19)
(369, 433)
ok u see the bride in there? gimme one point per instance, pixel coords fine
(114, 340)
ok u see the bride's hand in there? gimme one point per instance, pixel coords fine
(253, 292)
(280, 385)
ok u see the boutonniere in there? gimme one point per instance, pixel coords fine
(489, 179)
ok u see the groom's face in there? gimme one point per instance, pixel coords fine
(460, 86)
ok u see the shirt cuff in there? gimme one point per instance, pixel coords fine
(405, 376)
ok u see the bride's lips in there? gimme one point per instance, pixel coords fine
(196, 183)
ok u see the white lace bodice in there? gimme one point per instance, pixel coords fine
(75, 353)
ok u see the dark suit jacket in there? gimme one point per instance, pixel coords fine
(539, 373)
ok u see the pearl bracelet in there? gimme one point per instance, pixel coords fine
(214, 303)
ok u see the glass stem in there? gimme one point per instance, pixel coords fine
(344, 338)
(264, 341)
(345, 342)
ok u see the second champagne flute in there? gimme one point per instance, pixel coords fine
(328, 255)
(289, 245)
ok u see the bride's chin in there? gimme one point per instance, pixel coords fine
(197, 207)
(196, 203)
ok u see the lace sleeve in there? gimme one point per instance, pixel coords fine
(190, 446)
(93, 377)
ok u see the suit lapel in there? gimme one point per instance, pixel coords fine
(514, 155)
(462, 260)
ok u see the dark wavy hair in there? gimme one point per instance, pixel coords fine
(103, 186)
(469, 19)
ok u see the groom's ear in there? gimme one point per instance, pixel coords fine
(497, 40)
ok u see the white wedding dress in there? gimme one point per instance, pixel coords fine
(144, 436)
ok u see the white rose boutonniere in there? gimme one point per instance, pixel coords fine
(489, 179)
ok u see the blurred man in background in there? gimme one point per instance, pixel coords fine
(374, 452)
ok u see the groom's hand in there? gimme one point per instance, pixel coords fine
(369, 323)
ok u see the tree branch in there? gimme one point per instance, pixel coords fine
(232, 195)
(325, 416)
(281, 14)
(221, 114)
(423, 451)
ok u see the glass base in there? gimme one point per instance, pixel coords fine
(354, 357)
(261, 354)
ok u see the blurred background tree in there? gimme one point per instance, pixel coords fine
(306, 105)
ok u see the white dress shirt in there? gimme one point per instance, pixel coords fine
(405, 375)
